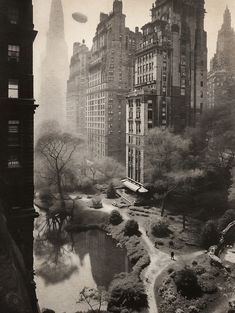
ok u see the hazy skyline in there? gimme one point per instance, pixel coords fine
(137, 14)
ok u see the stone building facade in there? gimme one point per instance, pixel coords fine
(17, 110)
(77, 86)
(110, 79)
(222, 67)
(170, 77)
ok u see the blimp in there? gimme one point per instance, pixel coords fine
(79, 17)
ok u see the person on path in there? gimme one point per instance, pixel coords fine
(173, 256)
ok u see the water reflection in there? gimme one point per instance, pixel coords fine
(65, 265)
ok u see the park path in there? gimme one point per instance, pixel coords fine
(159, 260)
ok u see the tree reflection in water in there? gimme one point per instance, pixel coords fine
(106, 258)
(56, 249)
(54, 246)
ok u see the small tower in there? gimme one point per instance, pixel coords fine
(227, 19)
(117, 7)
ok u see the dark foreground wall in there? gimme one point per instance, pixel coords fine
(14, 289)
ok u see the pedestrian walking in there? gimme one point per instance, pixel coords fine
(173, 256)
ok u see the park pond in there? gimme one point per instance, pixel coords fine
(64, 267)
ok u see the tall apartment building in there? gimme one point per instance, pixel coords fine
(77, 86)
(54, 69)
(110, 79)
(170, 76)
(222, 67)
(17, 109)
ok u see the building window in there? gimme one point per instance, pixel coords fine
(130, 127)
(13, 53)
(138, 128)
(13, 15)
(137, 108)
(13, 88)
(13, 132)
(13, 161)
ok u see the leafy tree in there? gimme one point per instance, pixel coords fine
(115, 217)
(111, 191)
(166, 166)
(131, 228)
(127, 294)
(160, 228)
(187, 283)
(95, 299)
(57, 149)
(210, 234)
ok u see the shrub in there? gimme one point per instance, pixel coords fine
(86, 184)
(160, 229)
(115, 218)
(46, 196)
(48, 311)
(131, 228)
(111, 191)
(187, 283)
(127, 292)
(227, 218)
(207, 283)
(97, 203)
(210, 234)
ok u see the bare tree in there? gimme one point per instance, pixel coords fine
(57, 150)
(94, 298)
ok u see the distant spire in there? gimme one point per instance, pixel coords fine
(227, 19)
(56, 22)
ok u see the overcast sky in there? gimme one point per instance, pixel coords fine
(137, 14)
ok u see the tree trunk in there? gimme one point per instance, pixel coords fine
(163, 206)
(184, 221)
(59, 186)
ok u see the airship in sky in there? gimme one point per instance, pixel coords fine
(79, 17)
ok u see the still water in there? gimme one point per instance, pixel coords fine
(88, 259)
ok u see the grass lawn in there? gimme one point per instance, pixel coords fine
(180, 241)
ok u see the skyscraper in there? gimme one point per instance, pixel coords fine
(222, 67)
(110, 79)
(55, 67)
(17, 108)
(77, 89)
(170, 77)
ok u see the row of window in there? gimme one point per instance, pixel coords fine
(145, 79)
(145, 68)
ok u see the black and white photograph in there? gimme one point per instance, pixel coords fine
(117, 156)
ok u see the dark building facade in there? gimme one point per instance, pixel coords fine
(77, 86)
(16, 125)
(110, 79)
(170, 76)
(222, 67)
(54, 69)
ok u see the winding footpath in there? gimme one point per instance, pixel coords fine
(159, 260)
